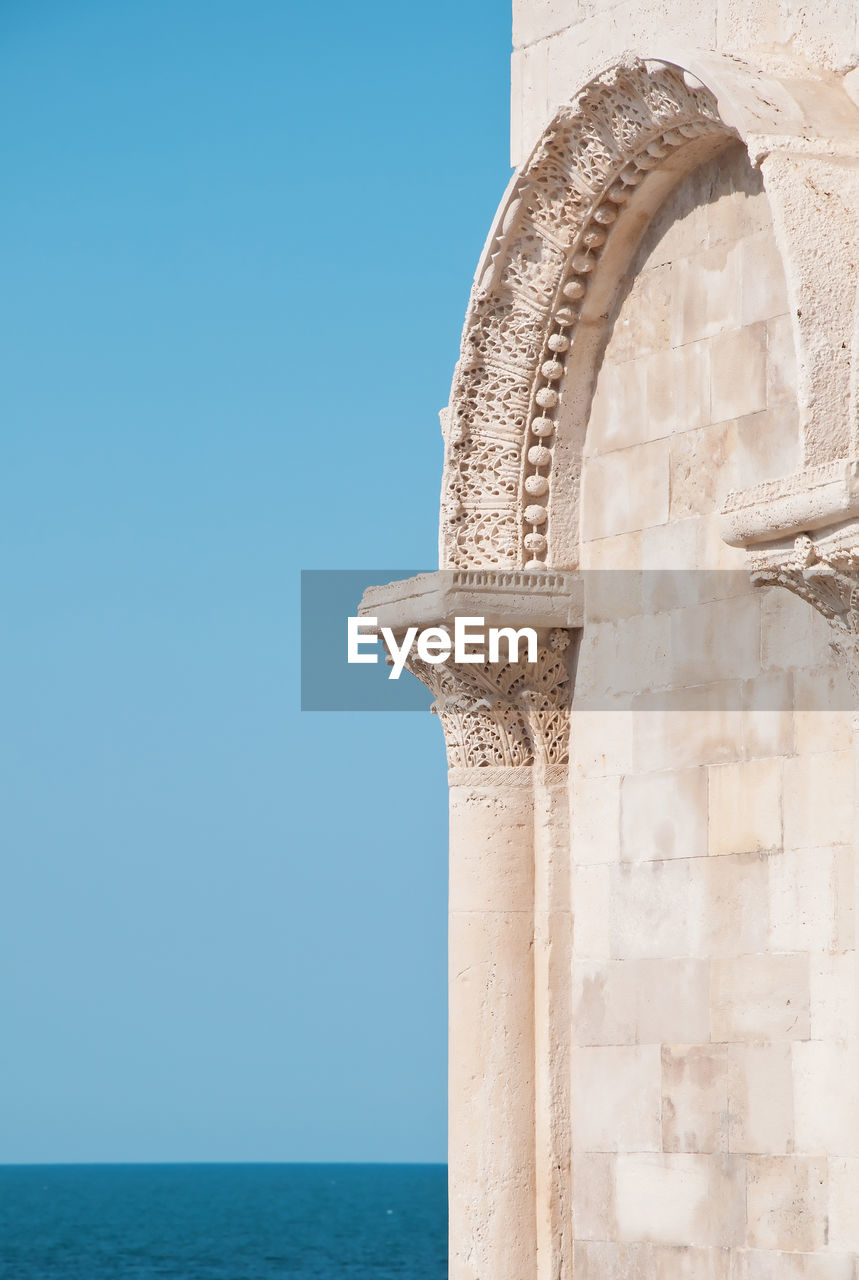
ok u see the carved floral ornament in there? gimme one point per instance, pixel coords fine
(520, 328)
(505, 713)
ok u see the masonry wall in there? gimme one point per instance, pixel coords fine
(714, 1062)
(560, 44)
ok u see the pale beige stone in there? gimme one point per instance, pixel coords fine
(684, 727)
(826, 1100)
(602, 1260)
(763, 293)
(664, 815)
(760, 1098)
(616, 1098)
(695, 1098)
(818, 800)
(720, 640)
(738, 380)
(787, 1203)
(781, 361)
(811, 899)
(618, 417)
(745, 806)
(611, 504)
(737, 915)
(603, 741)
(844, 1204)
(680, 1199)
(595, 819)
(707, 295)
(677, 394)
(659, 908)
(593, 1196)
(760, 997)
(754, 1264)
(641, 1002)
(823, 719)
(702, 469)
(592, 906)
(834, 996)
(787, 640)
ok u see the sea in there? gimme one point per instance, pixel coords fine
(223, 1222)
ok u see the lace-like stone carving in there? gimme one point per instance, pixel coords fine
(520, 327)
(505, 713)
(825, 573)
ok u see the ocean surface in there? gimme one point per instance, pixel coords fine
(223, 1222)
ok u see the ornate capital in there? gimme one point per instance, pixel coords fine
(505, 713)
(511, 712)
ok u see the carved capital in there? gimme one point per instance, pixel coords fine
(505, 713)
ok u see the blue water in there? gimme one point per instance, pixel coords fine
(223, 1222)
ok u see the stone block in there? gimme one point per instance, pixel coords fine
(707, 295)
(755, 1264)
(763, 293)
(767, 446)
(680, 1199)
(618, 417)
(593, 1196)
(823, 717)
(737, 918)
(760, 997)
(702, 469)
(602, 736)
(718, 640)
(611, 504)
(616, 1098)
(760, 1098)
(844, 1205)
(684, 727)
(664, 815)
(659, 909)
(818, 800)
(695, 1097)
(826, 1102)
(787, 1203)
(745, 806)
(592, 899)
(787, 639)
(641, 1002)
(738, 383)
(834, 995)
(643, 324)
(595, 819)
(678, 389)
(781, 361)
(811, 898)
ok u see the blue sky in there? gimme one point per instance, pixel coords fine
(238, 237)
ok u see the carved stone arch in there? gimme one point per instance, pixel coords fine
(564, 235)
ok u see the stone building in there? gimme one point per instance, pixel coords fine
(652, 458)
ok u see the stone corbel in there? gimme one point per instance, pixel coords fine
(824, 571)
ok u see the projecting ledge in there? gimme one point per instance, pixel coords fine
(502, 597)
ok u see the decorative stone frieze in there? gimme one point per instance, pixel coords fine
(532, 283)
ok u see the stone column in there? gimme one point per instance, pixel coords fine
(506, 728)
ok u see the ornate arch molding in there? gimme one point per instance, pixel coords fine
(563, 236)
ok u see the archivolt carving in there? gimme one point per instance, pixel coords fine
(521, 323)
(506, 713)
